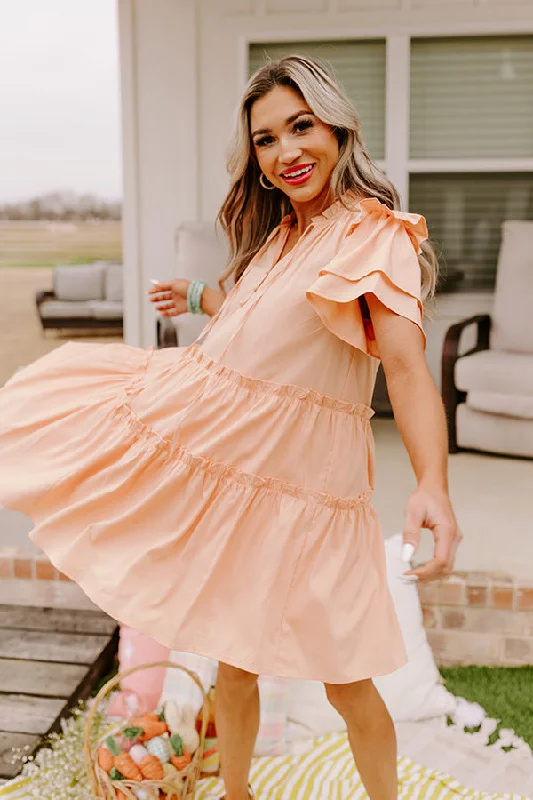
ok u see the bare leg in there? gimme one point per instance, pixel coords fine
(237, 721)
(371, 735)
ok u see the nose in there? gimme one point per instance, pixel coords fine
(289, 150)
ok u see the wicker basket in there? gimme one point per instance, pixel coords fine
(175, 788)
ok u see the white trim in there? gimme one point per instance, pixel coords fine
(131, 226)
(243, 45)
(413, 30)
(397, 106)
(470, 165)
(195, 184)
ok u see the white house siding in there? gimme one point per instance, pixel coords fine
(184, 65)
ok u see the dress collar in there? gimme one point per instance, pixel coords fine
(332, 211)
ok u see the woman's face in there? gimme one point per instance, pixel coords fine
(295, 150)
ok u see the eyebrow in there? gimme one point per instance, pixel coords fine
(287, 122)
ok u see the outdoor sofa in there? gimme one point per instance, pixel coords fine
(84, 296)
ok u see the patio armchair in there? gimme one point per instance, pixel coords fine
(201, 254)
(488, 390)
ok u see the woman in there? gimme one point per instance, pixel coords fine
(218, 497)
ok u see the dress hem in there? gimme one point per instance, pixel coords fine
(247, 665)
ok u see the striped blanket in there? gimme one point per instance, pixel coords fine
(325, 772)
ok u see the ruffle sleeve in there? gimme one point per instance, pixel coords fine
(379, 256)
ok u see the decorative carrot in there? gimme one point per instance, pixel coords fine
(106, 759)
(125, 763)
(150, 727)
(181, 762)
(152, 768)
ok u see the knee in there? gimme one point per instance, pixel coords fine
(232, 679)
(351, 699)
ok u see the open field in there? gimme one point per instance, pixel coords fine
(22, 339)
(43, 243)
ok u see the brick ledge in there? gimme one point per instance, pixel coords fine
(26, 563)
(470, 617)
(483, 618)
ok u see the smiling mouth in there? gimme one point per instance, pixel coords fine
(298, 175)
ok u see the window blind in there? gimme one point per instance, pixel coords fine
(359, 67)
(465, 212)
(472, 97)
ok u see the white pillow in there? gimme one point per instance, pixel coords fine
(416, 690)
(113, 280)
(79, 281)
(413, 692)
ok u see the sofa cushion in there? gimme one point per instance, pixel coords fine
(496, 372)
(79, 281)
(202, 252)
(189, 327)
(113, 282)
(106, 309)
(510, 405)
(494, 433)
(512, 320)
(66, 308)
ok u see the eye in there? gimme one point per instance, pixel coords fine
(263, 141)
(302, 125)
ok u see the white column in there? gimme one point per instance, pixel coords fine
(397, 114)
(158, 55)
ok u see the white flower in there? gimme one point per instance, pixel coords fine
(468, 715)
(488, 726)
(506, 737)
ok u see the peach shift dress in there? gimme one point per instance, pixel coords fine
(218, 497)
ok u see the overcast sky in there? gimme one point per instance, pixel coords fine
(59, 98)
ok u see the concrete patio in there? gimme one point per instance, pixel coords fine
(491, 497)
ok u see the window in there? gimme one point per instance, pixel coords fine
(471, 101)
(358, 65)
(465, 212)
(472, 97)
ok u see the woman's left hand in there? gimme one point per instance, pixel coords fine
(432, 509)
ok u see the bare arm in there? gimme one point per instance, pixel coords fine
(421, 420)
(170, 298)
(211, 301)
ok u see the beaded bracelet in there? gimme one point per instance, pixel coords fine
(195, 291)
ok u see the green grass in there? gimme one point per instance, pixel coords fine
(506, 693)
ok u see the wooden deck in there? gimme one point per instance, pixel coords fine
(50, 658)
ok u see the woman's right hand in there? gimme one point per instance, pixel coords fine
(170, 298)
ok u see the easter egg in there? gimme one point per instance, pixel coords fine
(159, 747)
(138, 752)
(125, 744)
(142, 794)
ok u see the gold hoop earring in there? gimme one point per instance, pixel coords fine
(264, 185)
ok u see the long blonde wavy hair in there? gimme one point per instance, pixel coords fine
(249, 213)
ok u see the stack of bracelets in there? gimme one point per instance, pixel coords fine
(195, 291)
